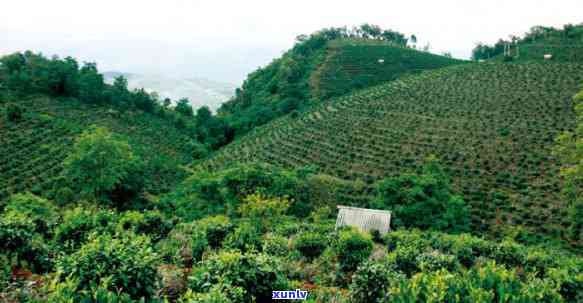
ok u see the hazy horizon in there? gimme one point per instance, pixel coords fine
(223, 41)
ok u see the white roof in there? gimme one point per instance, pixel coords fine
(364, 218)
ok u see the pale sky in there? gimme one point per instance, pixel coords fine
(225, 40)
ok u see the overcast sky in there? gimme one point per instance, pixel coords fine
(224, 40)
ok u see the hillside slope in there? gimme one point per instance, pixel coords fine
(32, 150)
(491, 124)
(564, 45)
(352, 64)
(329, 63)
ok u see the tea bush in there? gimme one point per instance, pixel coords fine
(42, 212)
(14, 113)
(352, 247)
(126, 262)
(21, 245)
(78, 223)
(258, 274)
(275, 245)
(372, 282)
(151, 223)
(184, 245)
(216, 229)
(310, 244)
(244, 238)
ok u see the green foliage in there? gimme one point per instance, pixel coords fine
(69, 291)
(569, 149)
(78, 223)
(435, 260)
(356, 64)
(372, 282)
(216, 228)
(275, 245)
(150, 223)
(283, 86)
(564, 45)
(310, 244)
(223, 191)
(184, 245)
(14, 113)
(20, 245)
(257, 274)
(126, 262)
(424, 201)
(490, 283)
(264, 211)
(352, 248)
(183, 107)
(454, 113)
(99, 162)
(42, 212)
(218, 293)
(246, 237)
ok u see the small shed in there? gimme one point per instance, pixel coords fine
(365, 219)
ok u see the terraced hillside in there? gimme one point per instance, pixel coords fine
(355, 64)
(329, 63)
(32, 150)
(492, 124)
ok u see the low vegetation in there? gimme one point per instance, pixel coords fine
(109, 195)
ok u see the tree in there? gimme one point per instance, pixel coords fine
(569, 150)
(183, 107)
(99, 162)
(423, 200)
(91, 84)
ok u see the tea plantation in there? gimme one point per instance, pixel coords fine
(493, 125)
(32, 149)
(352, 64)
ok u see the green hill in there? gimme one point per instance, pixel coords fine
(355, 64)
(328, 63)
(32, 150)
(492, 124)
(565, 45)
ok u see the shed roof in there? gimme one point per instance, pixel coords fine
(364, 218)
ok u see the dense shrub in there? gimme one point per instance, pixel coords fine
(184, 245)
(424, 201)
(68, 291)
(126, 262)
(78, 223)
(352, 247)
(372, 282)
(257, 274)
(244, 238)
(151, 223)
(14, 113)
(263, 211)
(275, 245)
(435, 260)
(310, 244)
(42, 212)
(509, 253)
(99, 163)
(490, 283)
(22, 246)
(219, 293)
(216, 229)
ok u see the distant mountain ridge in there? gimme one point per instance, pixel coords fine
(199, 91)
